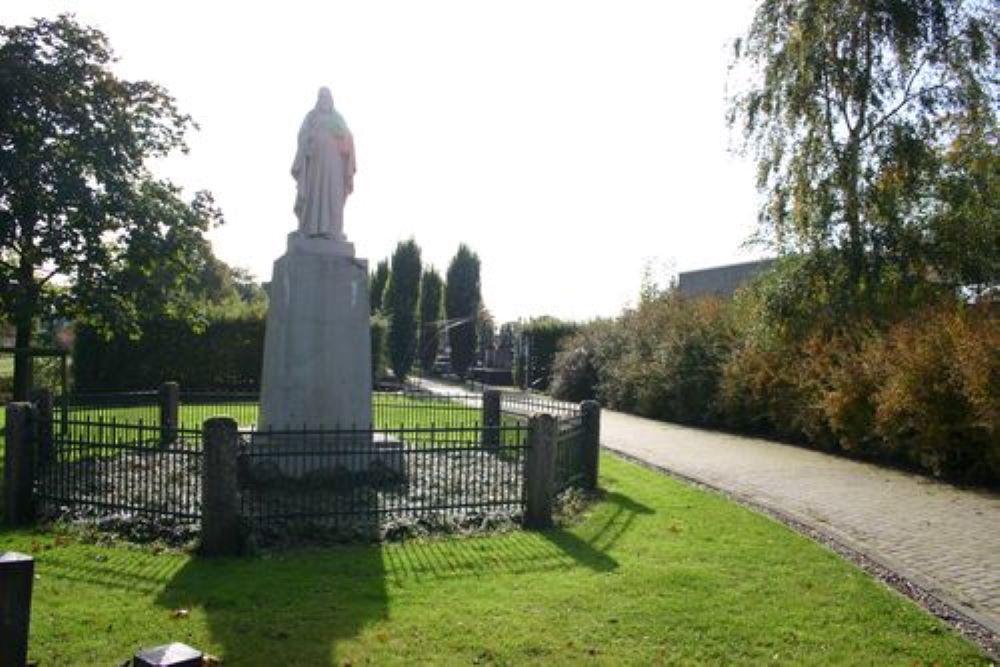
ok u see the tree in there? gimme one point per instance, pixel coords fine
(379, 279)
(431, 309)
(462, 301)
(78, 208)
(401, 297)
(855, 111)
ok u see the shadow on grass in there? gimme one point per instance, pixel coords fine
(296, 607)
(283, 608)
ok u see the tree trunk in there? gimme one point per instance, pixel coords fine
(23, 362)
(852, 217)
(24, 321)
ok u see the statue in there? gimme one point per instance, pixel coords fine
(323, 169)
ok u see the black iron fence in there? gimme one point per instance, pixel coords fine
(524, 404)
(570, 459)
(360, 481)
(428, 460)
(95, 467)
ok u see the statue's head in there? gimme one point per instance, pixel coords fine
(324, 101)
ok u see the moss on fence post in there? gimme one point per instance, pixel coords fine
(539, 474)
(222, 531)
(590, 418)
(491, 418)
(19, 464)
(170, 394)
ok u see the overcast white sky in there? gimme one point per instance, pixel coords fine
(568, 143)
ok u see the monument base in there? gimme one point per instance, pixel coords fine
(360, 458)
(317, 346)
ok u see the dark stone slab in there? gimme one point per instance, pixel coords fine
(168, 655)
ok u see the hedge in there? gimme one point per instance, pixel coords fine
(543, 334)
(922, 391)
(227, 355)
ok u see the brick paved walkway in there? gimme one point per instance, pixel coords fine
(943, 538)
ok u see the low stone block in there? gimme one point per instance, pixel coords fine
(168, 655)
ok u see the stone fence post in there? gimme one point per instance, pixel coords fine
(44, 404)
(19, 463)
(539, 472)
(590, 417)
(170, 395)
(17, 574)
(491, 418)
(221, 526)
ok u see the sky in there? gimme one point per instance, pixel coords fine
(569, 143)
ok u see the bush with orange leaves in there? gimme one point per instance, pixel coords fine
(925, 391)
(938, 399)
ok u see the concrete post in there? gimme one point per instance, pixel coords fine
(17, 573)
(539, 473)
(170, 395)
(221, 526)
(590, 417)
(491, 418)
(43, 402)
(19, 464)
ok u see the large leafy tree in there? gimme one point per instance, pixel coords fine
(461, 302)
(401, 298)
(431, 309)
(873, 126)
(85, 231)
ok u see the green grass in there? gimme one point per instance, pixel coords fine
(657, 573)
(389, 412)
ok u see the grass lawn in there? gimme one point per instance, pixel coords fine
(389, 411)
(656, 573)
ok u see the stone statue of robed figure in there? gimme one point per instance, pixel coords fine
(317, 372)
(323, 169)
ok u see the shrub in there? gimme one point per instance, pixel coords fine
(544, 335)
(576, 369)
(379, 331)
(226, 354)
(939, 403)
(676, 365)
(662, 359)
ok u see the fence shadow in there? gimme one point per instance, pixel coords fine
(584, 546)
(298, 607)
(128, 570)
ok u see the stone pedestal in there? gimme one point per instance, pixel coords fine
(317, 346)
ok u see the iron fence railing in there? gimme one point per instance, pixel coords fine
(570, 442)
(426, 457)
(97, 466)
(357, 479)
(396, 409)
(528, 404)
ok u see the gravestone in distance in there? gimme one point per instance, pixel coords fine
(317, 347)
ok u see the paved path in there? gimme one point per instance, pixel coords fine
(943, 538)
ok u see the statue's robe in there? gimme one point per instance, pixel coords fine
(324, 169)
